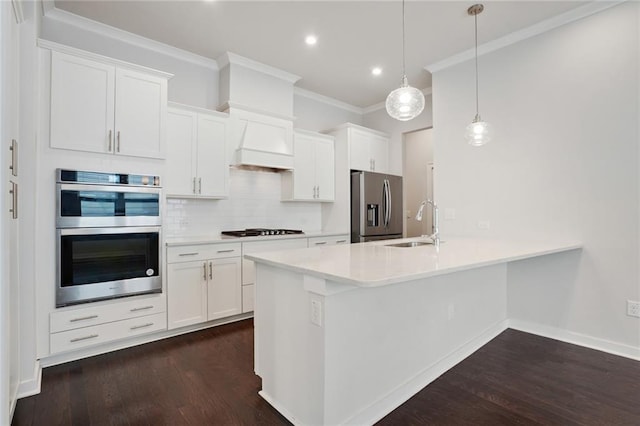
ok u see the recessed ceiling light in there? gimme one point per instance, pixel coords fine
(376, 71)
(311, 40)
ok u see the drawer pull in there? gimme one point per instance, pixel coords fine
(79, 339)
(135, 327)
(83, 318)
(319, 243)
(226, 251)
(188, 254)
(341, 241)
(142, 308)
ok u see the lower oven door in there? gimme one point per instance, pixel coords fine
(105, 263)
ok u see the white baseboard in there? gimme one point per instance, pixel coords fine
(567, 336)
(31, 386)
(401, 394)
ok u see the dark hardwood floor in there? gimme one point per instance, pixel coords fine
(206, 378)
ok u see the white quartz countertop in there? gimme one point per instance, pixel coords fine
(215, 239)
(376, 264)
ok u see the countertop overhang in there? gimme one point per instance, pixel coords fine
(376, 264)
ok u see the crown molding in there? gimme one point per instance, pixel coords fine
(18, 14)
(526, 33)
(232, 58)
(327, 100)
(427, 91)
(68, 18)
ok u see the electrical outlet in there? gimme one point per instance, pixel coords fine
(633, 308)
(316, 312)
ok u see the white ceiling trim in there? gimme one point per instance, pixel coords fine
(327, 100)
(127, 37)
(381, 105)
(233, 58)
(525, 33)
(17, 11)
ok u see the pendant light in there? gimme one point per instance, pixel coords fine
(478, 132)
(406, 102)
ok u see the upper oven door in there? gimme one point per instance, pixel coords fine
(81, 206)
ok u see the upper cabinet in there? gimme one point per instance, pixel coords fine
(368, 150)
(107, 107)
(196, 163)
(313, 174)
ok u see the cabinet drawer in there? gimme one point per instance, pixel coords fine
(115, 310)
(328, 241)
(202, 252)
(89, 336)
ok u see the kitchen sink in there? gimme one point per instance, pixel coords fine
(410, 244)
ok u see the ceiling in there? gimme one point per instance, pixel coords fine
(353, 36)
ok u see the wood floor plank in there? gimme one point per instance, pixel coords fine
(206, 378)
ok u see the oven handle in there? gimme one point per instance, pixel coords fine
(107, 188)
(109, 230)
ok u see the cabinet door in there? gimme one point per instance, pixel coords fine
(359, 157)
(224, 296)
(379, 152)
(211, 162)
(82, 104)
(181, 153)
(304, 181)
(186, 293)
(325, 170)
(140, 114)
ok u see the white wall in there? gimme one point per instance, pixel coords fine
(564, 163)
(312, 114)
(417, 182)
(380, 120)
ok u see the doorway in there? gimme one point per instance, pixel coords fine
(418, 166)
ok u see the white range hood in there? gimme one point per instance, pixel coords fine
(259, 100)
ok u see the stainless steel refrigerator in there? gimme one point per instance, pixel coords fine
(376, 206)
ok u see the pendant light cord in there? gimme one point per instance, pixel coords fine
(404, 73)
(475, 18)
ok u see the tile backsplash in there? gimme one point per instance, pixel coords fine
(254, 202)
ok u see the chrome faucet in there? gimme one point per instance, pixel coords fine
(436, 228)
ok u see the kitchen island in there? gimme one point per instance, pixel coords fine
(345, 334)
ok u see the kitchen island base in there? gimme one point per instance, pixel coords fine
(334, 353)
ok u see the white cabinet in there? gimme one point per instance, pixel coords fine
(249, 268)
(79, 327)
(203, 283)
(329, 240)
(106, 108)
(368, 150)
(196, 153)
(313, 175)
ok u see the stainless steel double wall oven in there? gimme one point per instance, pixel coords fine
(108, 236)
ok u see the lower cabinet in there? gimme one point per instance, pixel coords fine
(203, 283)
(329, 241)
(75, 327)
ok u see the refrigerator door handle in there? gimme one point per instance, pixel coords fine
(386, 202)
(389, 202)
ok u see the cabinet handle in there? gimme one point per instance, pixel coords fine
(194, 185)
(226, 251)
(14, 157)
(319, 243)
(318, 192)
(110, 135)
(199, 185)
(314, 191)
(205, 270)
(210, 270)
(14, 200)
(118, 142)
(188, 254)
(143, 308)
(83, 318)
(341, 241)
(78, 339)
(135, 327)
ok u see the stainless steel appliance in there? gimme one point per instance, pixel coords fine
(256, 232)
(376, 206)
(108, 236)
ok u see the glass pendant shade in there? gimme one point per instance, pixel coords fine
(405, 103)
(478, 132)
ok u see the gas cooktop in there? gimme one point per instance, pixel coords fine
(257, 232)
